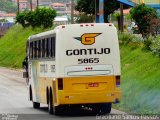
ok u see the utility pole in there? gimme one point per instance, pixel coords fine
(31, 5)
(97, 11)
(18, 7)
(101, 11)
(121, 17)
(37, 3)
(72, 11)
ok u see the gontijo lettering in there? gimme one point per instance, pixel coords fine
(91, 51)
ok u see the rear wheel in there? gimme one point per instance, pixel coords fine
(57, 110)
(95, 109)
(36, 105)
(106, 108)
(50, 104)
(101, 109)
(51, 108)
(62, 109)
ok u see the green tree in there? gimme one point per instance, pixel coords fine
(143, 16)
(8, 6)
(88, 7)
(41, 17)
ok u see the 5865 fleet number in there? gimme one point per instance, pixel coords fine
(88, 60)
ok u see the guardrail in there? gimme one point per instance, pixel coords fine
(4, 26)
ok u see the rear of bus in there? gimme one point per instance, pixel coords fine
(88, 66)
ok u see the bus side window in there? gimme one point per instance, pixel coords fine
(35, 48)
(53, 47)
(31, 50)
(39, 49)
(43, 48)
(47, 47)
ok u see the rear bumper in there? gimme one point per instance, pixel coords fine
(88, 98)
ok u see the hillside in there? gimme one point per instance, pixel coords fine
(140, 81)
(13, 45)
(140, 71)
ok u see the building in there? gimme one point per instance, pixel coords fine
(58, 6)
(44, 2)
(61, 20)
(26, 4)
(10, 17)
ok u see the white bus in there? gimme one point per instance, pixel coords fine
(76, 64)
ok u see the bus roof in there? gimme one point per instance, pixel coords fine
(41, 35)
(51, 33)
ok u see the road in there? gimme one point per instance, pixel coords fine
(14, 100)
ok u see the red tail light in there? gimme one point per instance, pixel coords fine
(81, 25)
(118, 81)
(63, 26)
(110, 24)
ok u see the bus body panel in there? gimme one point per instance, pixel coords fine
(107, 39)
(83, 90)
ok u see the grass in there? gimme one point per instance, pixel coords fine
(140, 69)
(13, 45)
(140, 81)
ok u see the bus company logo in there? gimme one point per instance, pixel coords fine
(88, 38)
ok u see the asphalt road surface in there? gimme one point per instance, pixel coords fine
(14, 104)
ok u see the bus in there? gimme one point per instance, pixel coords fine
(74, 65)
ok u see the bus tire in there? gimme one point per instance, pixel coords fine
(30, 93)
(36, 105)
(60, 110)
(101, 109)
(50, 103)
(95, 109)
(106, 108)
(56, 110)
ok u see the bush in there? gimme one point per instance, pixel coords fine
(20, 18)
(83, 18)
(148, 43)
(155, 28)
(155, 46)
(125, 38)
(41, 17)
(143, 16)
(133, 41)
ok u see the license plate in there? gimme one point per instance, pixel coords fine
(93, 84)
